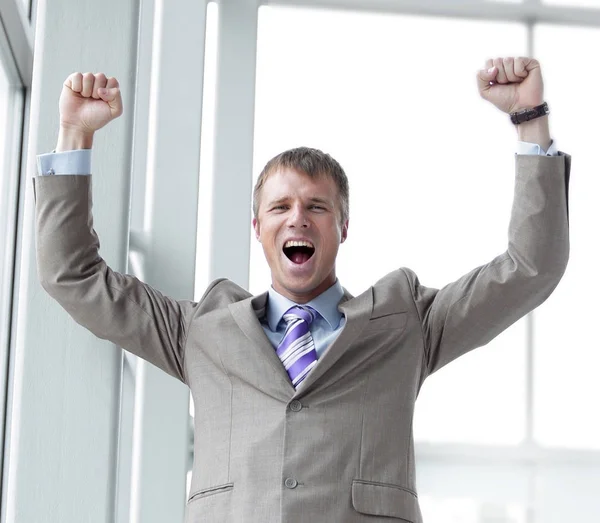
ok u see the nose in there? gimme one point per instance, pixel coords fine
(298, 218)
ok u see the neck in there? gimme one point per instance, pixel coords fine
(301, 297)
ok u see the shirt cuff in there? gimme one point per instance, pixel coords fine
(535, 150)
(67, 162)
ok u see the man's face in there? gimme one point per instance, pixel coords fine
(299, 227)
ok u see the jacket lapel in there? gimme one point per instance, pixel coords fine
(247, 314)
(357, 312)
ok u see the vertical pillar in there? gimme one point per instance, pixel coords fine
(65, 397)
(164, 218)
(234, 140)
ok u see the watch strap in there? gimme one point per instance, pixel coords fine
(529, 114)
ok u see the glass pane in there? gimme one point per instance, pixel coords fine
(202, 278)
(568, 492)
(6, 202)
(8, 197)
(480, 398)
(26, 4)
(574, 3)
(465, 510)
(4, 96)
(567, 358)
(430, 167)
(471, 492)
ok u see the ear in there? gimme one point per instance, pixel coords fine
(256, 226)
(345, 231)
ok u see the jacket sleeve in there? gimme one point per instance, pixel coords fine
(473, 310)
(113, 306)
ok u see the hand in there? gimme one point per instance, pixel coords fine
(88, 102)
(512, 84)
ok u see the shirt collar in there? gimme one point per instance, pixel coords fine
(326, 304)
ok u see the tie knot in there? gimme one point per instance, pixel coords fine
(308, 314)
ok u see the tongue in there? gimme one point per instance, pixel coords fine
(300, 257)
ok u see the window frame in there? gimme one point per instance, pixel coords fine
(16, 59)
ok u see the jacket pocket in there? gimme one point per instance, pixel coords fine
(384, 499)
(394, 321)
(203, 493)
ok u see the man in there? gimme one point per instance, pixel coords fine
(304, 395)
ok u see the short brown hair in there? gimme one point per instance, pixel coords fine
(312, 162)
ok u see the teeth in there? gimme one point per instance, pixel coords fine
(291, 243)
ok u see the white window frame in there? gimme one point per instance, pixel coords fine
(16, 57)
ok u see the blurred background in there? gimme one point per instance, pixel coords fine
(510, 433)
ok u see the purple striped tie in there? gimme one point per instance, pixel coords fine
(297, 348)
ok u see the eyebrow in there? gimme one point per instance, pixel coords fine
(313, 199)
(316, 199)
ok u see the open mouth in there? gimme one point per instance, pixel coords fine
(298, 252)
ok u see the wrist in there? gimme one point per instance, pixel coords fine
(535, 131)
(70, 139)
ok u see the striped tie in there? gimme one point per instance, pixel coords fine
(297, 348)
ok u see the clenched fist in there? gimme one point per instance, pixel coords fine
(512, 84)
(88, 102)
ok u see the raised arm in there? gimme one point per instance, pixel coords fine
(472, 310)
(113, 306)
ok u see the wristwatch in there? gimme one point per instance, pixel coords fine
(529, 114)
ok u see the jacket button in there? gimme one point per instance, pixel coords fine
(296, 406)
(291, 483)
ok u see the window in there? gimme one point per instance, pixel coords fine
(431, 175)
(7, 197)
(206, 151)
(26, 6)
(11, 101)
(566, 355)
(573, 3)
(412, 134)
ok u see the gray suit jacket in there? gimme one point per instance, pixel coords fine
(340, 448)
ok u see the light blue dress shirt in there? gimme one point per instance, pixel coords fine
(67, 162)
(324, 328)
(329, 322)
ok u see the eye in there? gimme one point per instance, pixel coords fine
(279, 207)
